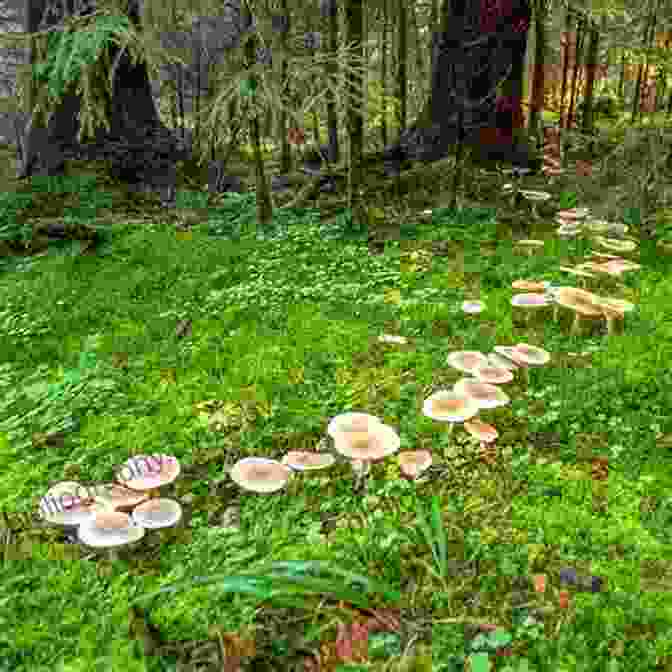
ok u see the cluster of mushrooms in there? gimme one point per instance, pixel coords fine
(117, 513)
(362, 438)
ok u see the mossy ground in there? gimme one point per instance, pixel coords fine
(284, 336)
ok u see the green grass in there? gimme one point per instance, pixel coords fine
(284, 328)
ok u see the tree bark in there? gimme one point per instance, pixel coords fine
(142, 151)
(468, 58)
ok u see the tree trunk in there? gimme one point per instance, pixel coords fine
(537, 97)
(142, 152)
(592, 56)
(469, 56)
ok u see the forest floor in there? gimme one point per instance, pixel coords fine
(198, 334)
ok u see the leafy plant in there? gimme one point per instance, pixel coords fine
(568, 200)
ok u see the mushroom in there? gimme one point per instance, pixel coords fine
(449, 406)
(507, 352)
(365, 447)
(467, 360)
(530, 355)
(501, 362)
(300, 460)
(584, 306)
(535, 197)
(614, 310)
(494, 375)
(472, 307)
(413, 463)
(261, 475)
(481, 431)
(524, 304)
(157, 513)
(573, 213)
(109, 529)
(619, 266)
(115, 497)
(68, 504)
(530, 285)
(148, 472)
(351, 422)
(484, 394)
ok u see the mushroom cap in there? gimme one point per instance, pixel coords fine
(379, 442)
(616, 245)
(618, 266)
(529, 300)
(157, 513)
(502, 362)
(495, 375)
(578, 300)
(449, 406)
(109, 528)
(530, 285)
(467, 360)
(259, 474)
(146, 472)
(413, 462)
(472, 306)
(573, 213)
(351, 422)
(114, 496)
(530, 355)
(68, 503)
(303, 460)
(507, 352)
(481, 430)
(535, 196)
(484, 394)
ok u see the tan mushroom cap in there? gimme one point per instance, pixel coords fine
(108, 529)
(375, 444)
(413, 462)
(449, 406)
(499, 361)
(157, 513)
(259, 474)
(529, 285)
(529, 300)
(484, 394)
(531, 355)
(507, 352)
(578, 300)
(494, 375)
(352, 422)
(618, 266)
(467, 360)
(481, 430)
(573, 213)
(147, 472)
(472, 307)
(303, 460)
(116, 497)
(68, 503)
